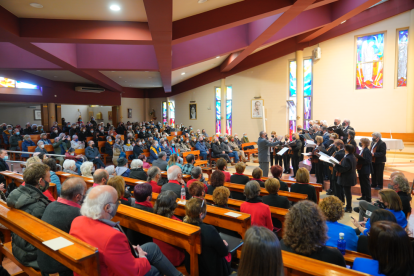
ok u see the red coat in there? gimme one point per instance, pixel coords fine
(173, 254)
(155, 187)
(259, 212)
(115, 257)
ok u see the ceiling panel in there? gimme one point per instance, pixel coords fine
(186, 8)
(135, 79)
(196, 69)
(131, 10)
(59, 75)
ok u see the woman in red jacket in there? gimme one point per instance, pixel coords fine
(165, 206)
(259, 211)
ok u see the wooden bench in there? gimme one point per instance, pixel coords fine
(263, 192)
(186, 177)
(18, 180)
(198, 161)
(171, 231)
(249, 151)
(79, 257)
(101, 147)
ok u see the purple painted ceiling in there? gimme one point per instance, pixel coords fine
(88, 47)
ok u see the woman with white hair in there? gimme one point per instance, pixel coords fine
(137, 172)
(111, 171)
(40, 147)
(27, 142)
(69, 166)
(86, 169)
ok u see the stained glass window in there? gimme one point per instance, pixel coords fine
(292, 97)
(218, 110)
(10, 83)
(229, 120)
(307, 92)
(402, 58)
(171, 106)
(164, 112)
(370, 61)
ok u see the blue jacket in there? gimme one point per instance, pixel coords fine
(368, 266)
(26, 144)
(55, 179)
(154, 153)
(399, 216)
(334, 228)
(325, 140)
(5, 138)
(166, 150)
(201, 147)
(91, 153)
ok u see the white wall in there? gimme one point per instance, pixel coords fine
(70, 112)
(18, 115)
(333, 87)
(155, 103)
(104, 110)
(137, 106)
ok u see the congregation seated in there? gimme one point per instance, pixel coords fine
(377, 215)
(175, 182)
(197, 175)
(214, 258)
(154, 176)
(137, 172)
(145, 164)
(276, 172)
(128, 146)
(122, 168)
(124, 196)
(217, 180)
(239, 177)
(302, 185)
(44, 189)
(389, 200)
(222, 166)
(30, 199)
(138, 148)
(78, 159)
(69, 166)
(221, 197)
(390, 249)
(86, 169)
(110, 170)
(75, 143)
(305, 233)
(196, 189)
(260, 212)
(189, 165)
(257, 175)
(116, 257)
(60, 214)
(108, 146)
(161, 162)
(165, 206)
(57, 150)
(218, 152)
(174, 161)
(333, 211)
(93, 155)
(155, 151)
(40, 147)
(54, 133)
(53, 177)
(14, 140)
(27, 142)
(261, 253)
(200, 145)
(272, 185)
(401, 186)
(117, 151)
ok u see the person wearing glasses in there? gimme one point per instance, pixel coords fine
(214, 258)
(116, 255)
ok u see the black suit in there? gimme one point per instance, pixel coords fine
(276, 201)
(364, 173)
(283, 185)
(3, 167)
(378, 164)
(347, 179)
(239, 179)
(338, 155)
(346, 133)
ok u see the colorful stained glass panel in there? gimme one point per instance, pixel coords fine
(292, 109)
(6, 82)
(24, 85)
(402, 58)
(164, 112)
(306, 125)
(218, 110)
(307, 77)
(292, 127)
(370, 61)
(307, 106)
(292, 78)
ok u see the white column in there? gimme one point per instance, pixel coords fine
(299, 88)
(410, 77)
(223, 105)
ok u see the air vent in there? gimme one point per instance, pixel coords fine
(89, 89)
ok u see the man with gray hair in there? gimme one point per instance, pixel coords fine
(346, 127)
(263, 145)
(161, 162)
(93, 155)
(175, 181)
(60, 214)
(379, 157)
(110, 170)
(117, 255)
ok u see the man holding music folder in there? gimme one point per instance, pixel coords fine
(263, 144)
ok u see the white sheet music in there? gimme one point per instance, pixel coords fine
(282, 151)
(332, 159)
(323, 154)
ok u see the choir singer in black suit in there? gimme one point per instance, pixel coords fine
(364, 167)
(379, 157)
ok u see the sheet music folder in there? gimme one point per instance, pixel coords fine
(282, 151)
(233, 242)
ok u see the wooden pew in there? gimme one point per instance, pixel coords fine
(198, 161)
(79, 257)
(18, 180)
(276, 212)
(291, 196)
(249, 151)
(171, 231)
(186, 177)
(351, 255)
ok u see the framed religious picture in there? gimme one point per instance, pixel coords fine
(193, 111)
(37, 114)
(110, 115)
(257, 108)
(129, 112)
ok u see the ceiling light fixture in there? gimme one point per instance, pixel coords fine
(217, 56)
(115, 7)
(36, 5)
(343, 22)
(183, 73)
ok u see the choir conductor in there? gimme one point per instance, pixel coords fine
(263, 145)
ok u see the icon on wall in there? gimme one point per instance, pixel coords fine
(129, 112)
(193, 111)
(257, 109)
(37, 114)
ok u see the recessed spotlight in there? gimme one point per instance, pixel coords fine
(36, 5)
(38, 70)
(343, 22)
(183, 73)
(125, 81)
(115, 7)
(217, 56)
(202, 1)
